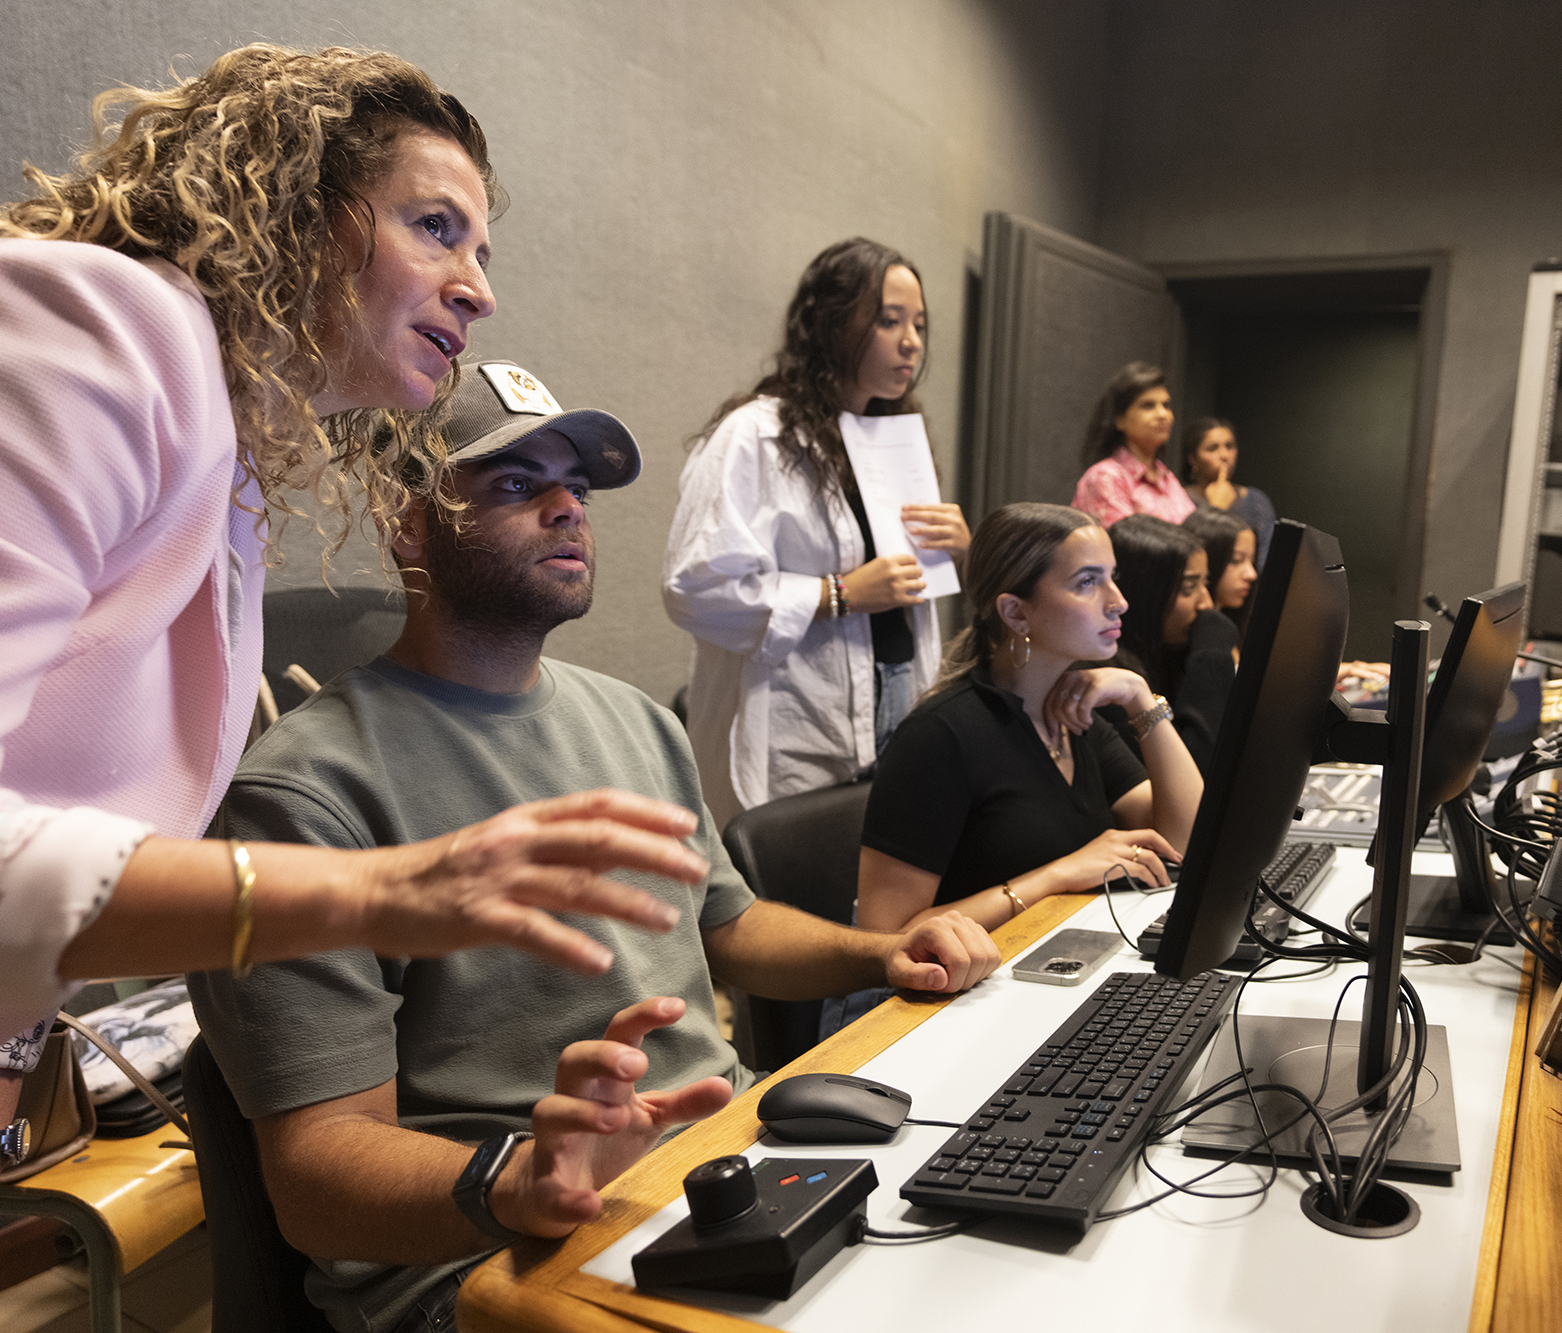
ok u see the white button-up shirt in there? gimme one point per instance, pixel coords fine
(779, 701)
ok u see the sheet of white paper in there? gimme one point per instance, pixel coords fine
(894, 467)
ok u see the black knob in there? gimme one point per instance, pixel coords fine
(720, 1190)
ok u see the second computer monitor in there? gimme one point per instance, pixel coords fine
(1461, 709)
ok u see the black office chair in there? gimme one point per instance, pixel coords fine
(325, 632)
(257, 1277)
(800, 850)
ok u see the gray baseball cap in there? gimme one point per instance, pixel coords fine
(497, 403)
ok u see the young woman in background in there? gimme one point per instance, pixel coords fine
(1232, 548)
(1209, 454)
(1171, 633)
(1004, 786)
(809, 647)
(1124, 471)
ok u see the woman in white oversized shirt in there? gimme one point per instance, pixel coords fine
(809, 648)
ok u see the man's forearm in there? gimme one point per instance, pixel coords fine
(783, 954)
(361, 1189)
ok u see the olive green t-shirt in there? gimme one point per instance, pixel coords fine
(383, 755)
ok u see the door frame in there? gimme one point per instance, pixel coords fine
(1411, 566)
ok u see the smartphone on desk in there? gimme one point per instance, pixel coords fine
(1068, 957)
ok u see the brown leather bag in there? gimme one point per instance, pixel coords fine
(56, 1106)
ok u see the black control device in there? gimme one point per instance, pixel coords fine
(763, 1231)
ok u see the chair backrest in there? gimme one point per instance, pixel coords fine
(257, 1277)
(325, 632)
(800, 850)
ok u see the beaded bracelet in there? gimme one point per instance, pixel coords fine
(840, 592)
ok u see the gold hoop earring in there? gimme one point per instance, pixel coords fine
(1020, 666)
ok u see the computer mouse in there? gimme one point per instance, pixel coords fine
(833, 1108)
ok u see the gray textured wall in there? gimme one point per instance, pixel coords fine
(1337, 128)
(673, 164)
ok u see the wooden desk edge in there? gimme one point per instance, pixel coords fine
(537, 1286)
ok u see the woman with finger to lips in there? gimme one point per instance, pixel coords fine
(1209, 455)
(809, 647)
(1125, 471)
(1173, 635)
(1004, 785)
(222, 302)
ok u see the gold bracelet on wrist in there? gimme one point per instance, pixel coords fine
(1144, 723)
(243, 906)
(1013, 897)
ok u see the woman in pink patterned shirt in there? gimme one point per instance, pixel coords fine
(1124, 470)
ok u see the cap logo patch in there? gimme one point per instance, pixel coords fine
(519, 392)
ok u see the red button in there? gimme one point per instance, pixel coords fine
(790, 1180)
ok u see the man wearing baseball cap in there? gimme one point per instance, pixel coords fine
(394, 1099)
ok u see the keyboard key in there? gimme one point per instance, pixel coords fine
(982, 1185)
(967, 1167)
(1066, 1086)
(1051, 1173)
(1040, 1189)
(956, 1146)
(940, 1180)
(1091, 1090)
(995, 1169)
(1116, 1089)
(1018, 1114)
(942, 1164)
(1083, 1132)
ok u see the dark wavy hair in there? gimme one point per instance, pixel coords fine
(1217, 531)
(1013, 547)
(1193, 436)
(1122, 392)
(1152, 556)
(829, 325)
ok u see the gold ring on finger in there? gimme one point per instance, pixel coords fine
(1136, 855)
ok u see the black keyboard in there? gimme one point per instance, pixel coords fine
(1053, 1140)
(1294, 875)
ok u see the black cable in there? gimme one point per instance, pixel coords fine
(941, 1124)
(863, 1234)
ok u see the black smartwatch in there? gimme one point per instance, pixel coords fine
(471, 1190)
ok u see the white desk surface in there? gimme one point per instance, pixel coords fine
(1185, 1263)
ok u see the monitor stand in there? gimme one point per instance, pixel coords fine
(1291, 1050)
(1457, 907)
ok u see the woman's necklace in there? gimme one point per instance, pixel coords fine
(1059, 750)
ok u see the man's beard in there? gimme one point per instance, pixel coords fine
(506, 594)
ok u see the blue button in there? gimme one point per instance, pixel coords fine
(815, 1179)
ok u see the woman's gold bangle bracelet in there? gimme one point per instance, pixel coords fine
(243, 906)
(1013, 897)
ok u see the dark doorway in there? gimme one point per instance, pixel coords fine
(1327, 377)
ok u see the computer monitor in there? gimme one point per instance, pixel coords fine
(1461, 709)
(1274, 716)
(1283, 711)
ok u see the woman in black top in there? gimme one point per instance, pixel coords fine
(1232, 548)
(1172, 635)
(1002, 786)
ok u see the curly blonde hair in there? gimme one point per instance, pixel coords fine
(236, 177)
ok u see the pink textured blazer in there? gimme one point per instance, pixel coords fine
(130, 587)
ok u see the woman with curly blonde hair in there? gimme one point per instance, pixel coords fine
(258, 271)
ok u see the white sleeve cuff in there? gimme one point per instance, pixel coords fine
(796, 605)
(57, 870)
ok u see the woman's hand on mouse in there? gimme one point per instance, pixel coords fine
(945, 953)
(1142, 852)
(596, 1126)
(885, 582)
(1077, 694)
